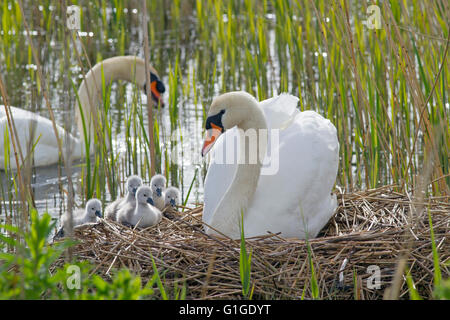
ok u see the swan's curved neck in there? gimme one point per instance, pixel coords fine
(227, 215)
(128, 68)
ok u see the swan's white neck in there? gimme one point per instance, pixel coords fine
(128, 68)
(227, 215)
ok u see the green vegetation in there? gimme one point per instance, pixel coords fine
(381, 87)
(441, 287)
(28, 271)
(245, 265)
(386, 90)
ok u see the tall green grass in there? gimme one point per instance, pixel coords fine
(385, 90)
(245, 264)
(441, 287)
(371, 83)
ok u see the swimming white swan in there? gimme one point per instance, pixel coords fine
(158, 185)
(128, 68)
(172, 197)
(90, 214)
(292, 194)
(145, 214)
(133, 183)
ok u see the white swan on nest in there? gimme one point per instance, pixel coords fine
(31, 127)
(292, 197)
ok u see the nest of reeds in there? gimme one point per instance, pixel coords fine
(364, 252)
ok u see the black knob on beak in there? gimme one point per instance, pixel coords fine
(160, 86)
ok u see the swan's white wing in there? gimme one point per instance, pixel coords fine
(278, 111)
(29, 124)
(297, 198)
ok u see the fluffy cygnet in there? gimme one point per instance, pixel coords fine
(91, 214)
(133, 183)
(172, 197)
(158, 184)
(144, 214)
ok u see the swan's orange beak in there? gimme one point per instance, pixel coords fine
(211, 137)
(156, 95)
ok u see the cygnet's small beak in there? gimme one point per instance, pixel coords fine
(150, 200)
(158, 192)
(98, 213)
(172, 202)
(211, 137)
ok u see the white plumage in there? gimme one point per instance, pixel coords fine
(144, 214)
(133, 183)
(90, 214)
(172, 197)
(31, 125)
(158, 185)
(32, 128)
(294, 200)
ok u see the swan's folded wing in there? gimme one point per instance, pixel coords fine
(296, 198)
(279, 110)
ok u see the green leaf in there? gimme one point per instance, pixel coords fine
(158, 279)
(437, 268)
